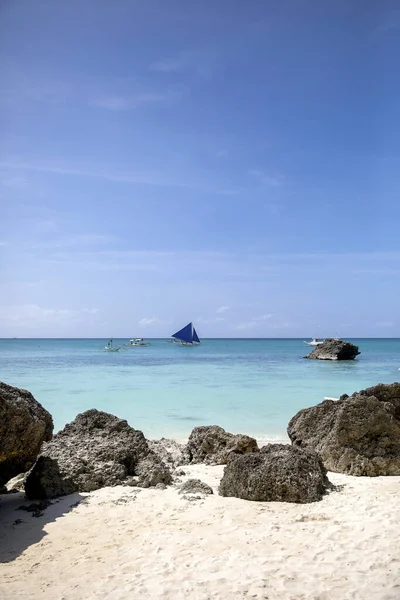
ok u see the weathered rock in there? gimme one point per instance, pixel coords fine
(279, 473)
(170, 452)
(24, 425)
(95, 450)
(334, 350)
(195, 486)
(356, 435)
(17, 483)
(212, 445)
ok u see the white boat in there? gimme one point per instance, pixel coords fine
(314, 342)
(186, 336)
(137, 342)
(111, 348)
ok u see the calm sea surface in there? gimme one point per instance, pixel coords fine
(248, 386)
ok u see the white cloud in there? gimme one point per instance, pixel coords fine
(34, 316)
(246, 325)
(105, 173)
(207, 321)
(265, 179)
(13, 182)
(148, 321)
(385, 324)
(257, 321)
(169, 65)
(85, 239)
(222, 309)
(126, 102)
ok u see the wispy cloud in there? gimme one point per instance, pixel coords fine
(385, 324)
(64, 169)
(13, 182)
(207, 321)
(222, 309)
(34, 316)
(148, 321)
(255, 321)
(169, 65)
(197, 62)
(79, 240)
(246, 325)
(390, 21)
(127, 102)
(265, 179)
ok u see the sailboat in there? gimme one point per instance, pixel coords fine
(186, 336)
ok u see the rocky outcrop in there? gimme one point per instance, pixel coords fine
(356, 435)
(24, 426)
(95, 450)
(195, 486)
(279, 473)
(170, 452)
(334, 350)
(212, 445)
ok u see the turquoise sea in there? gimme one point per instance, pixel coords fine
(250, 386)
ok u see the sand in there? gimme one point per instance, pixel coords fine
(122, 543)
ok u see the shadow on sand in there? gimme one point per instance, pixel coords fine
(19, 529)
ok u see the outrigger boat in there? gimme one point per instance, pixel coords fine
(186, 336)
(111, 348)
(314, 342)
(137, 342)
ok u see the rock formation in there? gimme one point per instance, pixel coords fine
(356, 435)
(170, 452)
(24, 425)
(195, 486)
(95, 450)
(278, 473)
(212, 445)
(334, 350)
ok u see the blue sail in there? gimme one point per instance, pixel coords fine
(187, 334)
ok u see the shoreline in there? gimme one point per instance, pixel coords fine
(123, 542)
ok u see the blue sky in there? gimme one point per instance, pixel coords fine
(231, 163)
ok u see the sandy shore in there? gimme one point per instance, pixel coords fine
(122, 543)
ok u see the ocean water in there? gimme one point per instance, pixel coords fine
(251, 386)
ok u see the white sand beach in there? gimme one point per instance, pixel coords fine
(122, 542)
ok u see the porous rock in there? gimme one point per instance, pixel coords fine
(95, 450)
(279, 472)
(195, 486)
(331, 349)
(24, 426)
(170, 452)
(212, 445)
(355, 435)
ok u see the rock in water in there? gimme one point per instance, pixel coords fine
(95, 450)
(24, 426)
(334, 350)
(195, 486)
(279, 473)
(212, 445)
(355, 435)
